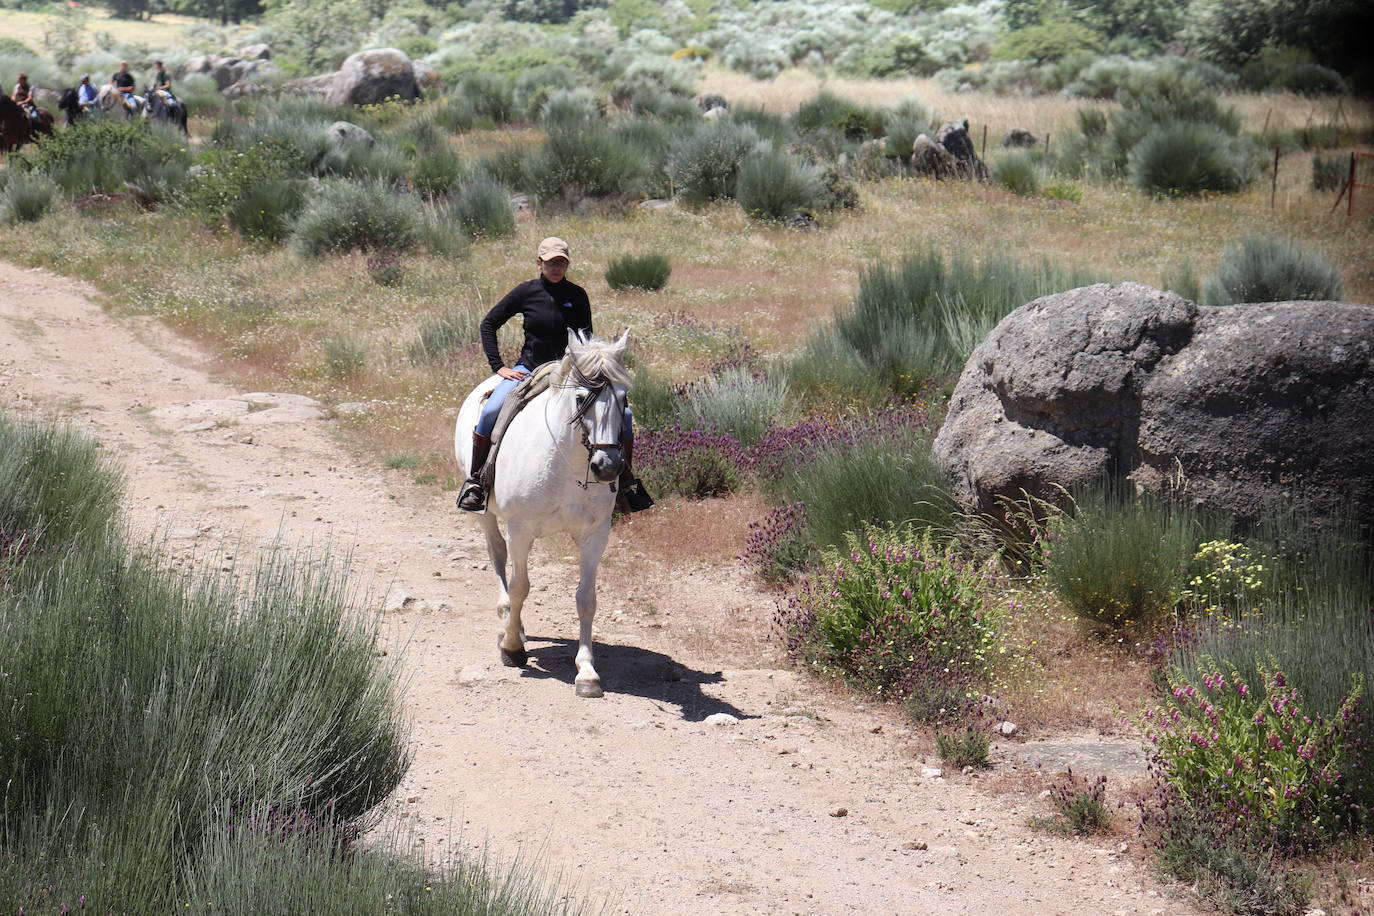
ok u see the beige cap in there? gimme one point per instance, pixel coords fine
(553, 247)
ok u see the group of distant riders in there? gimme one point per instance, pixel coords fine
(85, 97)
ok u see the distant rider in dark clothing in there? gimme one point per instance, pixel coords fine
(123, 81)
(23, 97)
(551, 306)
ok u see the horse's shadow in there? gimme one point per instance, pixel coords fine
(632, 671)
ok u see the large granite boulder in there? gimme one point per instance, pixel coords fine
(374, 76)
(228, 71)
(1250, 405)
(954, 136)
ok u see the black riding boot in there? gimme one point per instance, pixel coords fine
(473, 496)
(632, 497)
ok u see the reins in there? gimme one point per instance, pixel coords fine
(595, 387)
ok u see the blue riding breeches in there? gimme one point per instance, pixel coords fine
(486, 421)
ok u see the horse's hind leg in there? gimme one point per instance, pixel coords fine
(592, 546)
(512, 642)
(496, 552)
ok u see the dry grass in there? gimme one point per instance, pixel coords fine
(163, 30)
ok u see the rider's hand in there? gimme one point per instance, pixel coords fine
(513, 374)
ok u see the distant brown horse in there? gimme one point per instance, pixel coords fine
(14, 125)
(17, 128)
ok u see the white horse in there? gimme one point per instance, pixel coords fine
(554, 470)
(111, 101)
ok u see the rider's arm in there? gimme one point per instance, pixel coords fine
(503, 311)
(582, 315)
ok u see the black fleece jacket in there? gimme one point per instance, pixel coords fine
(550, 310)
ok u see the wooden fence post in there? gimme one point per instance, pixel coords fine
(1274, 184)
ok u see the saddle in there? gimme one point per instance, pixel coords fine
(530, 387)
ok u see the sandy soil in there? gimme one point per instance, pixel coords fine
(810, 803)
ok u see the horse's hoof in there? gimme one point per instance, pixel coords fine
(590, 691)
(514, 658)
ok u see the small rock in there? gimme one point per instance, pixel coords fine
(876, 730)
(931, 772)
(397, 599)
(1007, 729)
(1315, 911)
(412, 799)
(915, 844)
(966, 770)
(721, 719)
(655, 204)
(352, 409)
(198, 427)
(519, 203)
(840, 812)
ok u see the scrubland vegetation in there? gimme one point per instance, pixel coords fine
(823, 299)
(201, 742)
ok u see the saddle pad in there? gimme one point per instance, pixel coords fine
(530, 387)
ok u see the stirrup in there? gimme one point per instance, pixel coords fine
(473, 496)
(632, 496)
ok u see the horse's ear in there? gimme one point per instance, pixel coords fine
(574, 341)
(622, 345)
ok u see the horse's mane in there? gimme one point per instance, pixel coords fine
(593, 357)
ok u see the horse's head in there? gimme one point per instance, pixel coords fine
(593, 371)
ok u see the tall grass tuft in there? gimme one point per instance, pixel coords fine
(482, 208)
(1189, 158)
(771, 186)
(889, 479)
(703, 165)
(1121, 560)
(920, 318)
(584, 159)
(26, 198)
(344, 357)
(1018, 173)
(436, 172)
(357, 215)
(439, 337)
(1329, 172)
(646, 272)
(1271, 270)
(739, 403)
(266, 210)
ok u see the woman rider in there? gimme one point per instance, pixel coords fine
(551, 306)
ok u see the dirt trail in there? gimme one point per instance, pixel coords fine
(635, 797)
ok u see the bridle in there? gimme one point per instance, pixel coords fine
(595, 386)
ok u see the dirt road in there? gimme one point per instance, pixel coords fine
(803, 806)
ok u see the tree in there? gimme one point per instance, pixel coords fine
(316, 31)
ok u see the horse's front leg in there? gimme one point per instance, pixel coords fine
(512, 642)
(592, 546)
(496, 552)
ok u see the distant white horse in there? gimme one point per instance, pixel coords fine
(111, 101)
(554, 470)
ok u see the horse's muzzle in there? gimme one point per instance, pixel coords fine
(605, 464)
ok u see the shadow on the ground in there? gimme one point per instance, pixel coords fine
(633, 671)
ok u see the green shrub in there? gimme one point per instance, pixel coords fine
(1092, 122)
(826, 109)
(584, 160)
(102, 154)
(266, 211)
(1018, 173)
(1080, 807)
(830, 370)
(1255, 753)
(58, 491)
(966, 747)
(882, 480)
(646, 272)
(1183, 279)
(739, 403)
(657, 402)
(1271, 270)
(1329, 172)
(344, 357)
(1063, 190)
(1187, 157)
(491, 96)
(510, 167)
(1122, 559)
(1048, 41)
(439, 337)
(26, 198)
(436, 173)
(771, 186)
(691, 463)
(482, 208)
(920, 318)
(456, 114)
(703, 165)
(569, 108)
(889, 608)
(351, 215)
